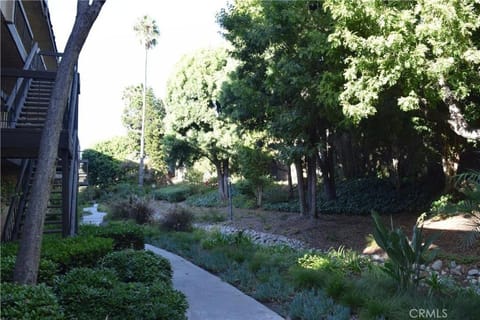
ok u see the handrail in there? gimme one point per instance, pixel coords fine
(70, 118)
(12, 219)
(27, 65)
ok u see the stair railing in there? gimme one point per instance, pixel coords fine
(17, 203)
(19, 93)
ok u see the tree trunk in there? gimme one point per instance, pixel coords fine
(312, 185)
(259, 196)
(222, 178)
(28, 257)
(301, 187)
(290, 182)
(450, 161)
(325, 160)
(456, 120)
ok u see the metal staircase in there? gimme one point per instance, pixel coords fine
(54, 218)
(35, 108)
(22, 121)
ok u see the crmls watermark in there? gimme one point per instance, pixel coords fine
(428, 313)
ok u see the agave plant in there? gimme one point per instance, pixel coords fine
(404, 256)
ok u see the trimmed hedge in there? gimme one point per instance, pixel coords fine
(99, 294)
(69, 253)
(138, 266)
(46, 272)
(29, 302)
(125, 235)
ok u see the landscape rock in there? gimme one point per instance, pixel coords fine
(437, 265)
(473, 272)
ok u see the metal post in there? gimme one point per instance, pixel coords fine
(230, 202)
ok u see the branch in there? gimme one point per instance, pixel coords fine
(457, 121)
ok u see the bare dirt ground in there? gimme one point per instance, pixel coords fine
(353, 232)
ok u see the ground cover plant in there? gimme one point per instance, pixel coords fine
(312, 284)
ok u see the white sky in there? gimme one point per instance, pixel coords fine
(112, 57)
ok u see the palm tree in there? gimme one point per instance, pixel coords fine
(147, 31)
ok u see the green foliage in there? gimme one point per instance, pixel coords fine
(254, 165)
(178, 219)
(29, 302)
(154, 128)
(469, 184)
(211, 217)
(174, 193)
(404, 257)
(314, 304)
(138, 266)
(125, 235)
(208, 199)
(46, 271)
(361, 196)
(412, 47)
(138, 209)
(68, 253)
(304, 284)
(195, 125)
(82, 251)
(98, 293)
(103, 169)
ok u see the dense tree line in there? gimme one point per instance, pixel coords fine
(341, 90)
(346, 88)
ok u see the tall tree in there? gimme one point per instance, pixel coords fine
(147, 30)
(132, 119)
(424, 54)
(194, 112)
(286, 59)
(28, 257)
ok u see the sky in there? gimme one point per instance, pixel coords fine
(113, 58)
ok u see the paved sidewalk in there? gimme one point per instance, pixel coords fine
(95, 217)
(209, 297)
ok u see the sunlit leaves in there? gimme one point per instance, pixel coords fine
(410, 44)
(194, 109)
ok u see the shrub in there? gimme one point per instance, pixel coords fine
(69, 253)
(83, 251)
(87, 293)
(137, 209)
(98, 294)
(46, 272)
(138, 266)
(275, 288)
(178, 219)
(208, 199)
(125, 235)
(314, 304)
(29, 302)
(175, 193)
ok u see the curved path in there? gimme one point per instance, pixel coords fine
(209, 298)
(95, 217)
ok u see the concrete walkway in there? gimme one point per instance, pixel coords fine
(209, 297)
(95, 217)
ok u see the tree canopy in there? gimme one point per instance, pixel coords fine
(194, 120)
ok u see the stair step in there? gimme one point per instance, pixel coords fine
(35, 109)
(29, 126)
(40, 92)
(53, 231)
(53, 222)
